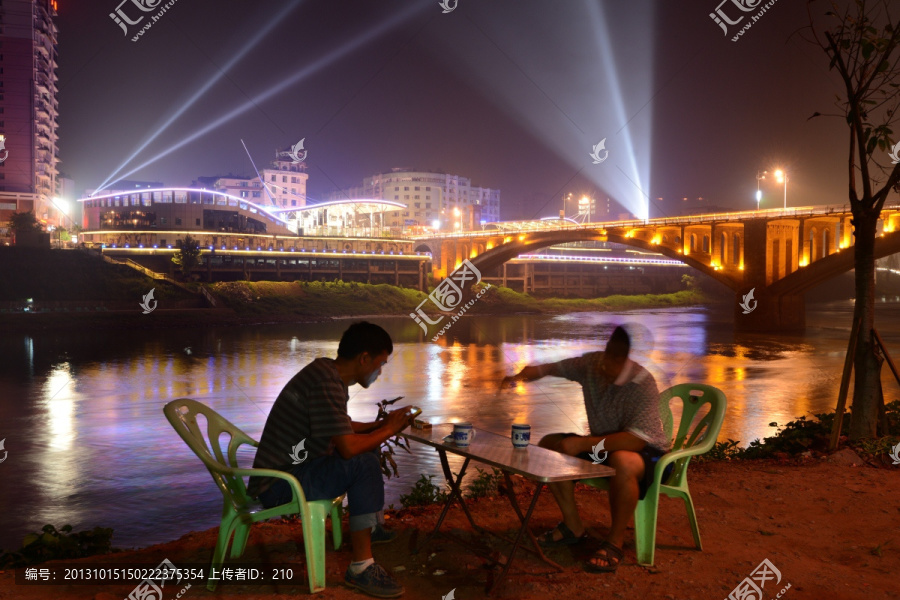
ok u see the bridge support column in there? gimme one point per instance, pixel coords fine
(770, 313)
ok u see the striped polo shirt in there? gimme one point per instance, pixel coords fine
(312, 408)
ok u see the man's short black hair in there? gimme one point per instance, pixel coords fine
(364, 337)
(619, 343)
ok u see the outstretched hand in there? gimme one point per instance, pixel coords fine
(526, 374)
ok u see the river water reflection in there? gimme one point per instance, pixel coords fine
(88, 444)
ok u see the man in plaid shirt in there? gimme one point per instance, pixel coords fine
(622, 404)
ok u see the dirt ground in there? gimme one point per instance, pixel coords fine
(830, 529)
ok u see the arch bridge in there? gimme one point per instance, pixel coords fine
(778, 254)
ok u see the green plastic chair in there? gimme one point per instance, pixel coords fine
(687, 444)
(239, 510)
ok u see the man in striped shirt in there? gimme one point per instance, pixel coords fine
(621, 400)
(309, 434)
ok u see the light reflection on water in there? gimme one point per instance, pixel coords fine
(88, 444)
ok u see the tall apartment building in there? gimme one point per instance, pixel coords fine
(433, 199)
(285, 180)
(29, 110)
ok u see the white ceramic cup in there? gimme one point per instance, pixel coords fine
(463, 434)
(521, 435)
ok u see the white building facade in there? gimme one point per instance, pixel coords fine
(441, 200)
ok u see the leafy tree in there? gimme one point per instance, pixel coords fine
(863, 46)
(24, 222)
(188, 256)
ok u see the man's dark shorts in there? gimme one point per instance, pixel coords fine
(650, 456)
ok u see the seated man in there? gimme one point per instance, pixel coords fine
(622, 404)
(337, 455)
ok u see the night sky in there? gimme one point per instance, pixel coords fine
(512, 94)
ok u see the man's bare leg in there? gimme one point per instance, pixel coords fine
(362, 544)
(623, 498)
(563, 492)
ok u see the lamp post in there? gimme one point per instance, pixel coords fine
(779, 175)
(759, 177)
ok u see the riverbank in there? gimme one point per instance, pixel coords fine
(828, 526)
(250, 303)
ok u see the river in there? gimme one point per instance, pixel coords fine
(87, 443)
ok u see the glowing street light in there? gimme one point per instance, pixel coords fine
(759, 177)
(779, 176)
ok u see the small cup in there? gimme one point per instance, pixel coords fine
(463, 434)
(521, 435)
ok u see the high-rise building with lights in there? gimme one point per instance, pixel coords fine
(440, 200)
(28, 111)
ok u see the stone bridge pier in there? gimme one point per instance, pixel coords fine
(764, 261)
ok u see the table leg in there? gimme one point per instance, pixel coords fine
(518, 540)
(510, 493)
(455, 493)
(456, 487)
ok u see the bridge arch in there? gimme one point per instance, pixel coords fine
(495, 257)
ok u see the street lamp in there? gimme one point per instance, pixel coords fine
(779, 176)
(759, 177)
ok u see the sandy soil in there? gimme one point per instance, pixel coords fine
(831, 529)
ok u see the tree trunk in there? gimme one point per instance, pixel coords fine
(864, 412)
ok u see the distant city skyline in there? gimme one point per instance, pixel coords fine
(512, 95)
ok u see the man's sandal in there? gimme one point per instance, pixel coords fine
(613, 555)
(568, 538)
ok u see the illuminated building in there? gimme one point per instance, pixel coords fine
(28, 110)
(432, 197)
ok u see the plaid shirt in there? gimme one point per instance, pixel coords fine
(631, 403)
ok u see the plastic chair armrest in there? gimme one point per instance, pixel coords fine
(292, 481)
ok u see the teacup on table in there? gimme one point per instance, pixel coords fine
(521, 435)
(462, 436)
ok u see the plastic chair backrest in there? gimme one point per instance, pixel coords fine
(182, 414)
(702, 438)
